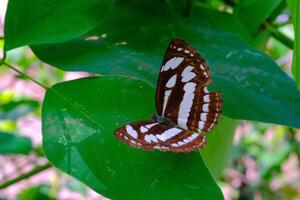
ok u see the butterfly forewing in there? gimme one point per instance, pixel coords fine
(182, 95)
(150, 135)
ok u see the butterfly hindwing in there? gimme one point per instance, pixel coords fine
(182, 95)
(150, 135)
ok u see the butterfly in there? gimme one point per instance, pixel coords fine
(186, 110)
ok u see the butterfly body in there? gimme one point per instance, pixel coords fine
(163, 120)
(186, 110)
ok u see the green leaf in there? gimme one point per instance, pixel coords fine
(16, 109)
(217, 152)
(255, 12)
(14, 144)
(46, 21)
(294, 6)
(78, 139)
(252, 84)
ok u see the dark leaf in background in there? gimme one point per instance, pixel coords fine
(16, 109)
(47, 21)
(14, 144)
(262, 9)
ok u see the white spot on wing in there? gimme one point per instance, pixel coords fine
(202, 67)
(205, 107)
(150, 138)
(186, 140)
(131, 131)
(203, 117)
(153, 138)
(166, 98)
(169, 134)
(206, 98)
(186, 104)
(172, 63)
(162, 137)
(187, 74)
(147, 139)
(205, 90)
(143, 129)
(201, 125)
(150, 125)
(171, 82)
(193, 136)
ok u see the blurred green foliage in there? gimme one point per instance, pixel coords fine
(36, 193)
(14, 144)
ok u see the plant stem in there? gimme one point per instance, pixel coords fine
(26, 175)
(289, 21)
(3, 59)
(25, 75)
(280, 36)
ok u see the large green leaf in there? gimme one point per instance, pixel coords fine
(14, 144)
(78, 139)
(252, 85)
(46, 21)
(294, 6)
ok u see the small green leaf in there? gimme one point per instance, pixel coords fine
(14, 144)
(16, 109)
(78, 138)
(294, 6)
(46, 21)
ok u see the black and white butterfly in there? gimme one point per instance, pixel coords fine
(186, 110)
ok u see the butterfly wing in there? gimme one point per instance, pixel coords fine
(150, 135)
(181, 94)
